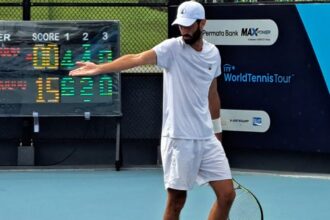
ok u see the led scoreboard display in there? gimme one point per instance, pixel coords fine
(36, 57)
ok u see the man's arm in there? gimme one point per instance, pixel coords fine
(214, 106)
(122, 63)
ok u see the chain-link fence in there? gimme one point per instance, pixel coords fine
(143, 24)
(11, 10)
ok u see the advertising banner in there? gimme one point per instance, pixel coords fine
(275, 81)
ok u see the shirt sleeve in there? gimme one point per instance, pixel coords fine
(164, 53)
(218, 68)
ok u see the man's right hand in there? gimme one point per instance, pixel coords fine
(219, 136)
(85, 69)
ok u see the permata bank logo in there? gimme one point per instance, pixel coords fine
(233, 75)
(254, 32)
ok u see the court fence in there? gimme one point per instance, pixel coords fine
(144, 23)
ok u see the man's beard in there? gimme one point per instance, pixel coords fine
(195, 37)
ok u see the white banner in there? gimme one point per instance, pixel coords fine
(256, 32)
(244, 120)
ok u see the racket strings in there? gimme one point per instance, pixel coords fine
(245, 206)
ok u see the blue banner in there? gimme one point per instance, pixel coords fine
(275, 74)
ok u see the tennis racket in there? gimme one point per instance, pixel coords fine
(246, 205)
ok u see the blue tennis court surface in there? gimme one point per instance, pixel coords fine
(139, 194)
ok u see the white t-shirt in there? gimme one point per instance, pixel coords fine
(187, 78)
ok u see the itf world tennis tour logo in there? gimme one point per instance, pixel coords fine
(233, 75)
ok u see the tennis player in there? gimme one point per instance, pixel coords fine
(191, 146)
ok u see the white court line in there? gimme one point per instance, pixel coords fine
(73, 168)
(323, 176)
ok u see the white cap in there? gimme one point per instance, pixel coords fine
(188, 13)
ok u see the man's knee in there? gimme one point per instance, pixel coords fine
(227, 196)
(176, 199)
(225, 191)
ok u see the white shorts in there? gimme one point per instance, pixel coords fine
(186, 162)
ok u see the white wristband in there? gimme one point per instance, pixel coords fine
(217, 125)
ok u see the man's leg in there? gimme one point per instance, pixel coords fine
(175, 202)
(225, 195)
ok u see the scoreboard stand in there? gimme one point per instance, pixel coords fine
(119, 156)
(26, 150)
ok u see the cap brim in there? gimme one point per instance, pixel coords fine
(184, 21)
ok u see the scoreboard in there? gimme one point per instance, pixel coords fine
(36, 57)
